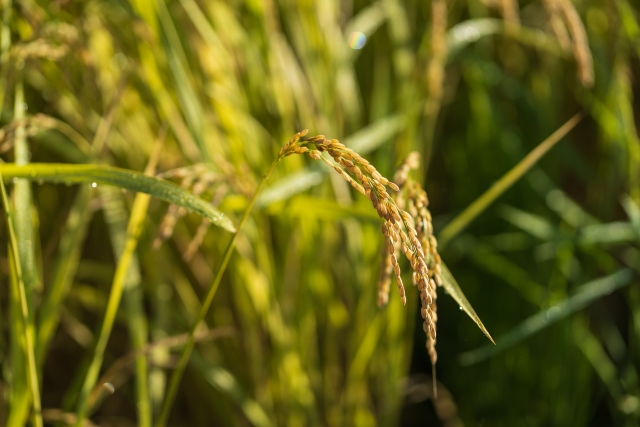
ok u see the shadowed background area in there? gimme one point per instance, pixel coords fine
(523, 113)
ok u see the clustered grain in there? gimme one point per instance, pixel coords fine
(417, 205)
(408, 232)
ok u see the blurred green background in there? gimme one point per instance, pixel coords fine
(551, 266)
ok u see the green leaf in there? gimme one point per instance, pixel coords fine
(586, 294)
(453, 290)
(117, 177)
(532, 224)
(472, 30)
(291, 185)
(29, 339)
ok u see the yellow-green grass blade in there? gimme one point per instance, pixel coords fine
(586, 294)
(125, 276)
(176, 377)
(510, 178)
(32, 372)
(116, 217)
(25, 236)
(117, 177)
(138, 213)
(222, 380)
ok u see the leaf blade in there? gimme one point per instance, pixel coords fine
(453, 289)
(503, 184)
(117, 177)
(588, 293)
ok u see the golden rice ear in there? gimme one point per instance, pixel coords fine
(411, 234)
(366, 179)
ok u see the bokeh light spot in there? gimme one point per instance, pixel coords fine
(357, 40)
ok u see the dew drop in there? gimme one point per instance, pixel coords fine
(94, 185)
(109, 387)
(460, 307)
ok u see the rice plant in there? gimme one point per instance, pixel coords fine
(171, 259)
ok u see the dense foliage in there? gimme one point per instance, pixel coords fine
(104, 95)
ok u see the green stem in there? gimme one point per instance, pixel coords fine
(24, 232)
(32, 373)
(120, 279)
(138, 212)
(186, 352)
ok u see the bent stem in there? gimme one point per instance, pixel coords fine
(186, 352)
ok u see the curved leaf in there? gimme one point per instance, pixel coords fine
(117, 177)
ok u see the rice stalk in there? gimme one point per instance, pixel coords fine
(414, 198)
(557, 25)
(25, 238)
(510, 14)
(435, 72)
(134, 229)
(364, 177)
(28, 344)
(489, 196)
(580, 43)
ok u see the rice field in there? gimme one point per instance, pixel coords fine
(455, 241)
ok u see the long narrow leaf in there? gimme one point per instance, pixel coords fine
(32, 372)
(496, 190)
(587, 294)
(453, 289)
(117, 177)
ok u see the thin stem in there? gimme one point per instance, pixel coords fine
(134, 229)
(481, 203)
(186, 352)
(5, 46)
(24, 232)
(32, 373)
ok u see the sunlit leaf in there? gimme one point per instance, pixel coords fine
(123, 178)
(532, 224)
(291, 185)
